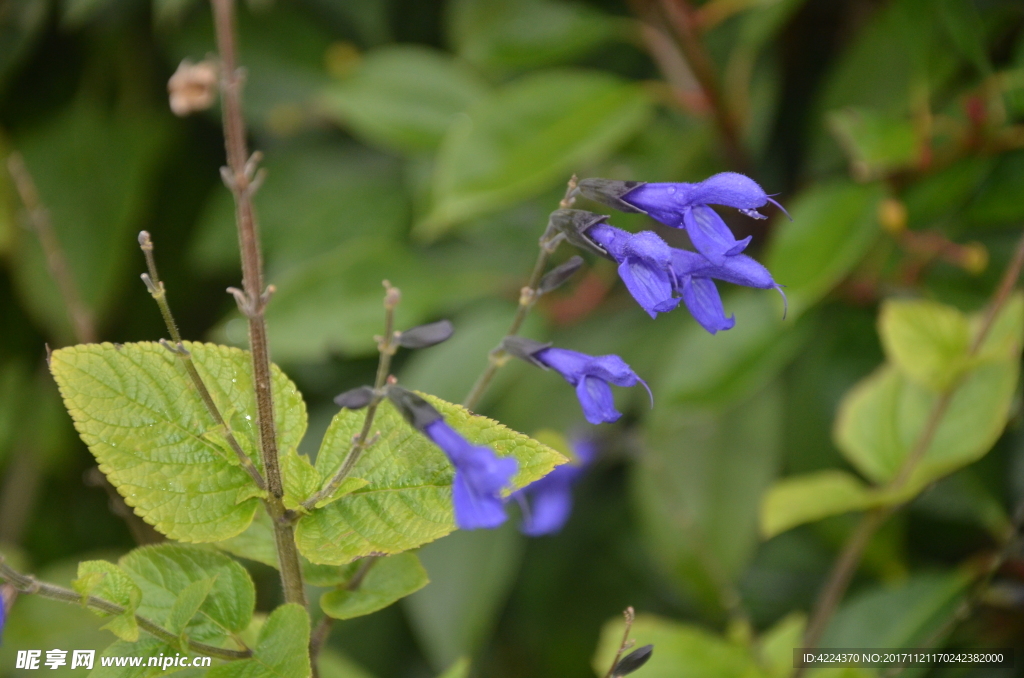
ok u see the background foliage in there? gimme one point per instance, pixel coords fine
(425, 142)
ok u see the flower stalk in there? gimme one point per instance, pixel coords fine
(528, 296)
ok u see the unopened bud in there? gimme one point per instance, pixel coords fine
(892, 215)
(392, 295)
(193, 87)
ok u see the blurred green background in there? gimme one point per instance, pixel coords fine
(425, 142)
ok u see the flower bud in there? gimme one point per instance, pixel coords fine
(524, 349)
(355, 399)
(424, 336)
(417, 411)
(557, 276)
(193, 87)
(633, 661)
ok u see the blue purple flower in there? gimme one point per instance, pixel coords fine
(547, 503)
(683, 205)
(592, 377)
(645, 265)
(480, 477)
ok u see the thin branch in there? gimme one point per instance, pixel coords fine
(28, 584)
(81, 318)
(527, 298)
(680, 16)
(846, 565)
(323, 628)
(387, 346)
(241, 178)
(159, 294)
(630, 616)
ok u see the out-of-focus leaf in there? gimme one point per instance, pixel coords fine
(833, 226)
(810, 497)
(964, 498)
(92, 168)
(945, 192)
(776, 644)
(963, 24)
(874, 143)
(881, 420)
(892, 58)
(281, 650)
(317, 197)
(925, 340)
(680, 650)
(409, 483)
(20, 23)
(170, 13)
(520, 34)
(904, 616)
(529, 135)
(459, 669)
(333, 304)
(698, 486)
(77, 13)
(333, 665)
(403, 97)
(716, 369)
(471, 574)
(997, 201)
(388, 580)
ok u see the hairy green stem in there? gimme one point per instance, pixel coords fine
(28, 584)
(849, 558)
(528, 296)
(159, 294)
(241, 177)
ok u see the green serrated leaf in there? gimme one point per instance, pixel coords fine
(408, 500)
(806, 498)
(187, 604)
(106, 580)
(137, 410)
(301, 479)
(256, 542)
(282, 650)
(347, 486)
(403, 97)
(925, 340)
(164, 571)
(527, 137)
(388, 580)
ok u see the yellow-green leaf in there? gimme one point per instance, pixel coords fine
(803, 499)
(927, 341)
(387, 581)
(282, 650)
(137, 410)
(407, 502)
(106, 580)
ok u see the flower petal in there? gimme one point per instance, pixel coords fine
(549, 508)
(475, 510)
(570, 364)
(711, 236)
(732, 190)
(651, 287)
(742, 270)
(702, 300)
(595, 396)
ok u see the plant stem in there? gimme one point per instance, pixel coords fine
(81, 318)
(680, 17)
(630, 615)
(846, 565)
(28, 584)
(387, 347)
(240, 176)
(159, 294)
(527, 298)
